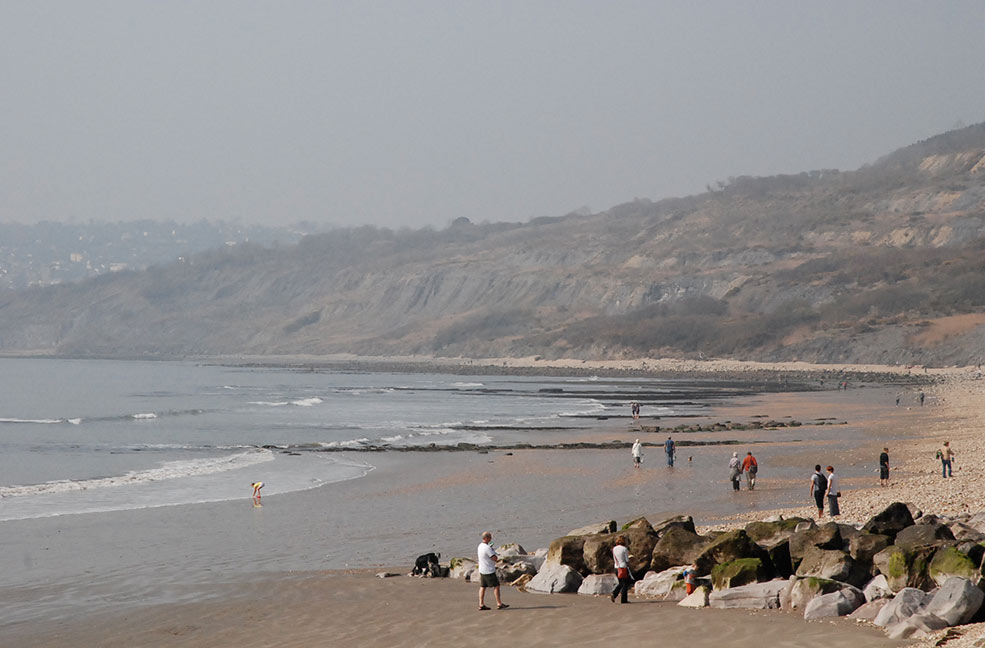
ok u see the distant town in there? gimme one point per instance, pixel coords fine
(50, 253)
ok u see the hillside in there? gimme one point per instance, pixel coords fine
(884, 264)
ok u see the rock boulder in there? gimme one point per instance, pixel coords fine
(890, 521)
(956, 601)
(758, 596)
(598, 585)
(907, 602)
(555, 578)
(676, 546)
(835, 604)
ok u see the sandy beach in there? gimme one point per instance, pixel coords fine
(344, 607)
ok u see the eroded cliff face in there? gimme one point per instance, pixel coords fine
(824, 266)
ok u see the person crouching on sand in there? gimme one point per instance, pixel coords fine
(256, 489)
(690, 578)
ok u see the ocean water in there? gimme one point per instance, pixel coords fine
(82, 436)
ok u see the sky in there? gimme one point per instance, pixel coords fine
(414, 113)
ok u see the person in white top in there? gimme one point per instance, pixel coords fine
(487, 572)
(637, 454)
(833, 493)
(620, 556)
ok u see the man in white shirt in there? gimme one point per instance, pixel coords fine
(637, 454)
(487, 572)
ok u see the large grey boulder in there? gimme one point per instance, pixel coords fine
(948, 562)
(510, 550)
(770, 532)
(555, 579)
(826, 536)
(966, 533)
(835, 604)
(677, 546)
(919, 625)
(660, 584)
(877, 588)
(685, 522)
(869, 611)
(905, 568)
(864, 546)
(570, 551)
(826, 563)
(956, 601)
(890, 521)
(758, 596)
(801, 591)
(977, 522)
(737, 573)
(727, 548)
(513, 567)
(923, 535)
(591, 529)
(598, 585)
(461, 568)
(696, 599)
(907, 602)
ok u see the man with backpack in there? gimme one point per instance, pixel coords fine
(819, 484)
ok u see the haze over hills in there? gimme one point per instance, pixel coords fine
(883, 264)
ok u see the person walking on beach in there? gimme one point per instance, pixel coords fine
(945, 454)
(620, 556)
(884, 467)
(734, 470)
(898, 395)
(833, 493)
(750, 467)
(922, 396)
(670, 448)
(636, 411)
(637, 454)
(487, 572)
(819, 485)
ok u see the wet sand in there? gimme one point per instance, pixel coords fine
(358, 609)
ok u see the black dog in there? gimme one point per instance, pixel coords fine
(426, 565)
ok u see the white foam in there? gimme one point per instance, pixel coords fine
(468, 384)
(75, 421)
(144, 417)
(307, 402)
(270, 403)
(169, 470)
(39, 421)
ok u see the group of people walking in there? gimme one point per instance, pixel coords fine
(670, 450)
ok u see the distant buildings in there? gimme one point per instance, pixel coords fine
(50, 253)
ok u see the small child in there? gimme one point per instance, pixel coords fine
(690, 578)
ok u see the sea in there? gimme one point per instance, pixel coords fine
(129, 482)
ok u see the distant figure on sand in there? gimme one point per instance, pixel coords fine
(256, 489)
(750, 467)
(620, 557)
(884, 467)
(670, 449)
(734, 470)
(636, 411)
(637, 454)
(487, 572)
(898, 396)
(922, 396)
(833, 493)
(945, 454)
(819, 485)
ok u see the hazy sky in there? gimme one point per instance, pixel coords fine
(416, 113)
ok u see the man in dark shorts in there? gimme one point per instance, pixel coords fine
(487, 572)
(884, 467)
(819, 484)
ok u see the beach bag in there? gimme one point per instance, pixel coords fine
(622, 572)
